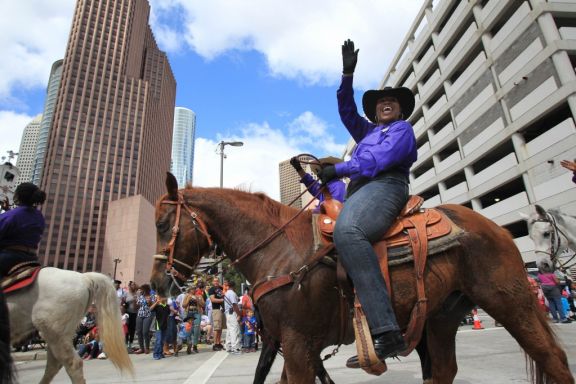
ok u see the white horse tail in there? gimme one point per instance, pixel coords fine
(109, 320)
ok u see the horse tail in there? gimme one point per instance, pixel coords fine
(109, 320)
(6, 363)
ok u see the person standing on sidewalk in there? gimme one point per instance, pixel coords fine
(551, 288)
(216, 300)
(144, 318)
(233, 320)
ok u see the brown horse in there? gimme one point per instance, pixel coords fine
(484, 269)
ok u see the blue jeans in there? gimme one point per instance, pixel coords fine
(143, 331)
(366, 216)
(248, 340)
(195, 334)
(554, 297)
(159, 343)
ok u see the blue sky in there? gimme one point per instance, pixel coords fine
(264, 72)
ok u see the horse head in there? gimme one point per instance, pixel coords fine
(178, 224)
(544, 233)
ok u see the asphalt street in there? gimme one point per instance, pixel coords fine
(488, 356)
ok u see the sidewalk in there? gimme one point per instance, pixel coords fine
(33, 354)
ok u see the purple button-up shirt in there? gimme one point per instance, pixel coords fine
(336, 187)
(21, 226)
(388, 147)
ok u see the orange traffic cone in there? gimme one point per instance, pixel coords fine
(477, 322)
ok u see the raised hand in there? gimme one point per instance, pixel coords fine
(294, 162)
(570, 165)
(349, 57)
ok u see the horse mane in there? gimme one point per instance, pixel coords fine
(560, 216)
(268, 211)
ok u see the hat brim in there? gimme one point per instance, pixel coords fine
(330, 160)
(404, 96)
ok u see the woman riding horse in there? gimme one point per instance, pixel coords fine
(21, 228)
(378, 190)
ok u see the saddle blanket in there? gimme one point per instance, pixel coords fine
(21, 279)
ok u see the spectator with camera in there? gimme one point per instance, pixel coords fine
(233, 320)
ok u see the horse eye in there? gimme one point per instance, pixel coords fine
(162, 226)
(546, 234)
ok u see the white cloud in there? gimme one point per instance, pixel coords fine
(33, 34)
(300, 40)
(254, 166)
(12, 126)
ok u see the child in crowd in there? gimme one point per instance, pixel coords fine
(125, 317)
(184, 334)
(249, 323)
(206, 327)
(89, 348)
(161, 309)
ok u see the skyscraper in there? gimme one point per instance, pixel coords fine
(27, 152)
(51, 96)
(111, 133)
(183, 145)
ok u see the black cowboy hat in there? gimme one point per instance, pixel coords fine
(404, 96)
(330, 160)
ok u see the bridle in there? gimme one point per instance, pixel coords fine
(555, 240)
(168, 252)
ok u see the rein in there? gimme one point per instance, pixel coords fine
(275, 233)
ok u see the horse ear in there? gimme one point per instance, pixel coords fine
(540, 211)
(171, 186)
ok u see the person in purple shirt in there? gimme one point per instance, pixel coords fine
(336, 187)
(571, 166)
(21, 228)
(378, 189)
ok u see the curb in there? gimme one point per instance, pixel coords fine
(29, 356)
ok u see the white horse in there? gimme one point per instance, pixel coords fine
(55, 305)
(552, 233)
(6, 363)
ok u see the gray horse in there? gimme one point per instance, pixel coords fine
(552, 233)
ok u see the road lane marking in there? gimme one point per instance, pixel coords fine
(204, 373)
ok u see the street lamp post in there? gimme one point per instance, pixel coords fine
(116, 261)
(222, 144)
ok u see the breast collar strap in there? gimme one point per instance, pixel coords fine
(199, 226)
